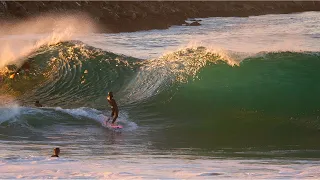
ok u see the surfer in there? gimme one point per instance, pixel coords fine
(25, 67)
(114, 107)
(37, 104)
(56, 152)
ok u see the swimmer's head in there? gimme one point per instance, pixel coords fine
(56, 151)
(110, 94)
(37, 102)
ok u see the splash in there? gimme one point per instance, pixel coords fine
(9, 108)
(20, 39)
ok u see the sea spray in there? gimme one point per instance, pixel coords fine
(9, 108)
(18, 39)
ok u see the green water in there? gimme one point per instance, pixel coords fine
(195, 97)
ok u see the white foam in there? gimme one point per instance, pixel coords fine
(99, 116)
(9, 109)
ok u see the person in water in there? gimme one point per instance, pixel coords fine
(25, 67)
(56, 152)
(114, 107)
(37, 104)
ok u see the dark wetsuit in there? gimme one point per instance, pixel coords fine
(38, 105)
(25, 66)
(114, 108)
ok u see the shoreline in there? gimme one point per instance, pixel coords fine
(130, 16)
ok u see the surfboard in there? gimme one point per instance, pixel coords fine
(109, 125)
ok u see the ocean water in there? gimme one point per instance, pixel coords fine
(233, 98)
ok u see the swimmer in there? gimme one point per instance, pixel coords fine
(56, 152)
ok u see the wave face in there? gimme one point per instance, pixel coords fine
(271, 98)
(239, 99)
(70, 74)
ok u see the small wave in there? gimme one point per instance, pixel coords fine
(9, 109)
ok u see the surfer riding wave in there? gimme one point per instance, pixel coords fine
(114, 108)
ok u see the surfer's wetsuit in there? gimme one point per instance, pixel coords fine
(114, 107)
(56, 152)
(25, 66)
(37, 104)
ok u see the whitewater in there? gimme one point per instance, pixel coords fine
(233, 98)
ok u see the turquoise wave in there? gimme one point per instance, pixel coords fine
(266, 98)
